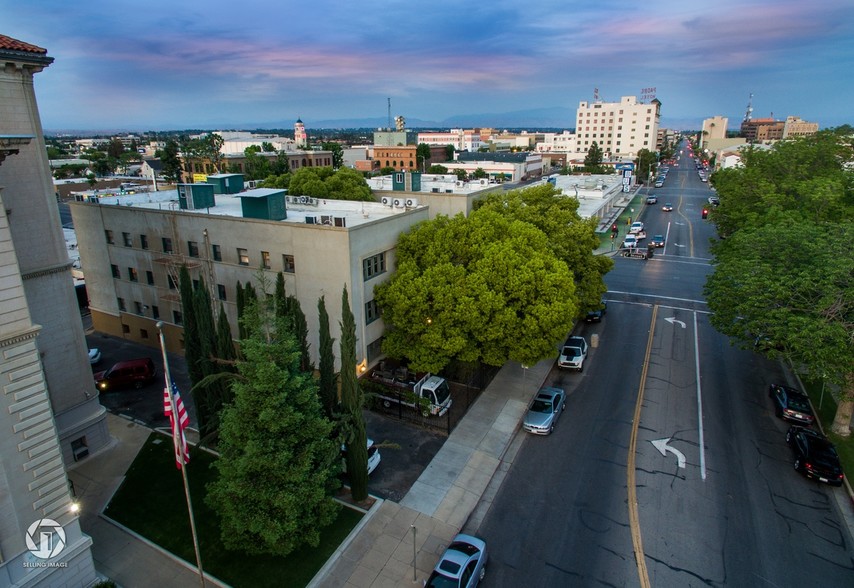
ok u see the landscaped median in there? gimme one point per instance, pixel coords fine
(151, 503)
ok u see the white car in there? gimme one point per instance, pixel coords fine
(373, 457)
(630, 242)
(573, 353)
(94, 355)
(636, 227)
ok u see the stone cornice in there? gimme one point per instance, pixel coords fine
(64, 267)
(20, 336)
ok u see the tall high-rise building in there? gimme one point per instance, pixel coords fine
(620, 129)
(300, 137)
(49, 409)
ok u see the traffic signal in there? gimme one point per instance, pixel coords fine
(705, 212)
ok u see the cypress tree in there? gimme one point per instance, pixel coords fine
(192, 352)
(241, 306)
(300, 329)
(327, 391)
(208, 398)
(280, 298)
(356, 439)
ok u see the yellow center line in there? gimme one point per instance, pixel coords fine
(634, 519)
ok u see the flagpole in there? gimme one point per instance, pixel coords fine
(180, 451)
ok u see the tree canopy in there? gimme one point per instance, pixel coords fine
(782, 279)
(322, 182)
(488, 287)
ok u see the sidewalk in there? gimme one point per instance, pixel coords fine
(123, 557)
(453, 490)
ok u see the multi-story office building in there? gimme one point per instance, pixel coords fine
(405, 158)
(713, 128)
(132, 253)
(461, 139)
(794, 126)
(620, 129)
(50, 412)
(760, 130)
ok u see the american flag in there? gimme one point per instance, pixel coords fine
(182, 454)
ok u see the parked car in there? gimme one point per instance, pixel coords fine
(94, 356)
(462, 565)
(791, 404)
(815, 456)
(596, 316)
(667, 207)
(573, 353)
(659, 183)
(373, 457)
(657, 241)
(131, 373)
(652, 199)
(714, 200)
(544, 411)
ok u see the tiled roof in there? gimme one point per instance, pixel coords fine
(15, 45)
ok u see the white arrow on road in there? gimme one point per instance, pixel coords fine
(675, 321)
(678, 245)
(663, 447)
(678, 223)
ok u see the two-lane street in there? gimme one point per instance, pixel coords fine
(718, 502)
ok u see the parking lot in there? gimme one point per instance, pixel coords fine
(406, 449)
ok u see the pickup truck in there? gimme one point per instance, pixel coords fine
(573, 353)
(428, 394)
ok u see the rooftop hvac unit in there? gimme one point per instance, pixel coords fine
(460, 183)
(483, 181)
(386, 200)
(411, 202)
(399, 203)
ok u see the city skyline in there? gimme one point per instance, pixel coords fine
(216, 65)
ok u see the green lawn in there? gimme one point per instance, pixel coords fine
(825, 408)
(151, 502)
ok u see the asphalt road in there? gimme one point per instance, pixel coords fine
(733, 513)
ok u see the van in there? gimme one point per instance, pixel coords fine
(131, 373)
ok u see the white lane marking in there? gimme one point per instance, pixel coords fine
(699, 400)
(663, 447)
(675, 321)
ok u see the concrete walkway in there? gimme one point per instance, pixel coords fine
(457, 487)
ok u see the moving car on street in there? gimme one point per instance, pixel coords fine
(657, 241)
(652, 199)
(462, 565)
(544, 411)
(815, 456)
(667, 207)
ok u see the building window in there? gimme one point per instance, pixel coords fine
(143, 334)
(217, 252)
(265, 259)
(375, 349)
(127, 239)
(132, 275)
(115, 269)
(149, 277)
(143, 241)
(155, 312)
(122, 304)
(373, 266)
(372, 312)
(108, 234)
(126, 329)
(177, 318)
(192, 248)
(220, 290)
(242, 256)
(288, 264)
(170, 281)
(167, 245)
(138, 307)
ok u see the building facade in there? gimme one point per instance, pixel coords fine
(50, 411)
(620, 129)
(193, 167)
(713, 128)
(794, 126)
(461, 139)
(404, 158)
(131, 255)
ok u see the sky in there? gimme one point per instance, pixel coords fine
(181, 64)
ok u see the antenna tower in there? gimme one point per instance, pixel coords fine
(749, 110)
(389, 127)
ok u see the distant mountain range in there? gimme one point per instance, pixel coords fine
(552, 119)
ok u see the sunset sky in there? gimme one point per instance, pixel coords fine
(160, 65)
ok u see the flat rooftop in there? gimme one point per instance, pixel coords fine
(356, 213)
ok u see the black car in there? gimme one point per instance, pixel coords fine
(815, 456)
(596, 316)
(791, 404)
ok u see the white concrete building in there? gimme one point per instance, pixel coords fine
(461, 139)
(49, 410)
(132, 248)
(620, 129)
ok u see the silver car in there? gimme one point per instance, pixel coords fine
(462, 565)
(544, 411)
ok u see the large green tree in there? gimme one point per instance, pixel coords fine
(572, 238)
(422, 155)
(277, 462)
(171, 161)
(593, 159)
(337, 153)
(352, 403)
(782, 279)
(192, 350)
(485, 288)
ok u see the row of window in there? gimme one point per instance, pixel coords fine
(133, 276)
(288, 265)
(648, 111)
